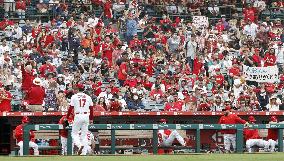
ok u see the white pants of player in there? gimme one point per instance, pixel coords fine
(174, 135)
(87, 150)
(63, 141)
(272, 144)
(81, 122)
(228, 140)
(257, 142)
(31, 144)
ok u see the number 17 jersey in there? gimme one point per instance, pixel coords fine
(81, 102)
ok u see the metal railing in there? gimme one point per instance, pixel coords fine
(155, 128)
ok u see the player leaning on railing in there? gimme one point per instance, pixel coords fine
(230, 135)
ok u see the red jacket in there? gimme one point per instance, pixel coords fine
(63, 133)
(272, 134)
(27, 81)
(44, 69)
(231, 119)
(21, 5)
(251, 134)
(35, 95)
(19, 131)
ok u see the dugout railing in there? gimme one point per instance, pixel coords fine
(155, 128)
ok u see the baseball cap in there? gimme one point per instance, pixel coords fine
(273, 119)
(25, 119)
(163, 121)
(251, 119)
(80, 86)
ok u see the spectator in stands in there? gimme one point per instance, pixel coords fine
(273, 104)
(131, 25)
(62, 101)
(5, 99)
(50, 100)
(35, 96)
(101, 105)
(21, 8)
(9, 5)
(27, 77)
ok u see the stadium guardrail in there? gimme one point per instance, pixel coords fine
(155, 128)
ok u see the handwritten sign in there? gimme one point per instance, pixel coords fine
(261, 74)
(200, 22)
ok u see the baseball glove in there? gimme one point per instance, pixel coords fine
(65, 123)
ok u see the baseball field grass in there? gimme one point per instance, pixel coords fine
(190, 157)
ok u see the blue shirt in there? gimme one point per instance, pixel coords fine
(131, 27)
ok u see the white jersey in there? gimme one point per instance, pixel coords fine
(90, 138)
(81, 102)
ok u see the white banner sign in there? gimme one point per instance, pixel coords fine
(200, 21)
(261, 74)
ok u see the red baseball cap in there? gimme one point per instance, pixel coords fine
(251, 119)
(25, 119)
(80, 86)
(273, 119)
(163, 121)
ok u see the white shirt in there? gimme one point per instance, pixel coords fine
(19, 33)
(250, 30)
(81, 102)
(4, 49)
(279, 55)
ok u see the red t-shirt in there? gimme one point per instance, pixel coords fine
(219, 79)
(130, 82)
(230, 119)
(35, 95)
(251, 134)
(122, 67)
(21, 5)
(234, 71)
(107, 52)
(5, 104)
(272, 134)
(63, 133)
(19, 131)
(269, 60)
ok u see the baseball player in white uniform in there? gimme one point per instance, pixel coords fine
(253, 139)
(82, 105)
(167, 137)
(88, 149)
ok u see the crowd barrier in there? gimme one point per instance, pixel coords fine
(155, 128)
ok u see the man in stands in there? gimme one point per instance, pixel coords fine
(35, 96)
(19, 132)
(230, 135)
(5, 99)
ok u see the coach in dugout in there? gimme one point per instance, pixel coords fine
(230, 134)
(18, 134)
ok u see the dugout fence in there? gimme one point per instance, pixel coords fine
(155, 127)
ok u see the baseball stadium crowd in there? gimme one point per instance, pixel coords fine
(130, 59)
